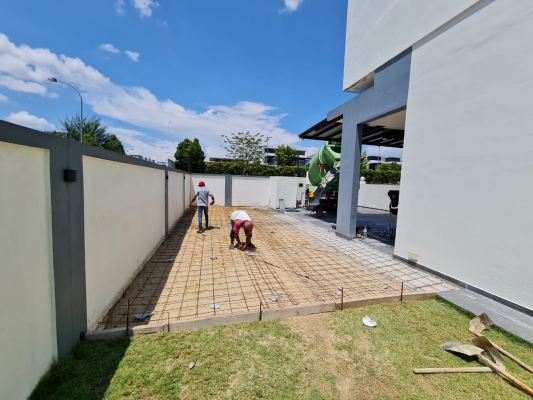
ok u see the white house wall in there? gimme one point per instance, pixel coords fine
(124, 222)
(28, 331)
(377, 31)
(465, 211)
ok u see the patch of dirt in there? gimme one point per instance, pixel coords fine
(341, 375)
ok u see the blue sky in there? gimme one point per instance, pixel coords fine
(160, 72)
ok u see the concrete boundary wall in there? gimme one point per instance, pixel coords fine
(124, 221)
(26, 253)
(375, 196)
(248, 190)
(66, 319)
(215, 183)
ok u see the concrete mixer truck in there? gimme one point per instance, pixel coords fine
(323, 176)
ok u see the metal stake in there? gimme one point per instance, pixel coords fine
(342, 298)
(260, 310)
(401, 294)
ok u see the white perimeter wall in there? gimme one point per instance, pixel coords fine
(375, 196)
(28, 328)
(215, 183)
(176, 198)
(377, 31)
(124, 222)
(464, 208)
(250, 191)
(287, 188)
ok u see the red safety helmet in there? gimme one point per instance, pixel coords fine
(201, 183)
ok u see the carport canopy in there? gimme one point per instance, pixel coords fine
(385, 131)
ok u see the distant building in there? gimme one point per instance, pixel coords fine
(375, 161)
(222, 159)
(142, 158)
(270, 157)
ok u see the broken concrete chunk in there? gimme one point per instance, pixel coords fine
(276, 296)
(143, 316)
(214, 305)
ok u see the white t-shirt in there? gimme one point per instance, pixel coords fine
(203, 196)
(241, 215)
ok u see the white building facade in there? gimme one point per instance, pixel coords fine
(459, 75)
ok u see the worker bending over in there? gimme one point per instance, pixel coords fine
(241, 219)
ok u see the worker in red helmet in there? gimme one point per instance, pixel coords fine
(202, 194)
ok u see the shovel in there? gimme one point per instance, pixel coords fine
(490, 357)
(482, 322)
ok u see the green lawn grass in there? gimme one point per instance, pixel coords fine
(324, 356)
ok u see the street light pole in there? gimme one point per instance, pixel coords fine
(81, 102)
(266, 153)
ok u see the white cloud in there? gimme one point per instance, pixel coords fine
(20, 85)
(119, 7)
(138, 106)
(3, 98)
(24, 118)
(133, 55)
(292, 5)
(109, 48)
(145, 7)
(136, 142)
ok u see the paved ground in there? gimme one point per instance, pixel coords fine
(303, 262)
(376, 221)
(511, 320)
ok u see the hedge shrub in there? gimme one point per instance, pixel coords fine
(240, 168)
(381, 176)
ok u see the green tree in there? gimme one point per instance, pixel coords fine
(113, 143)
(390, 167)
(190, 156)
(285, 155)
(244, 146)
(94, 133)
(364, 160)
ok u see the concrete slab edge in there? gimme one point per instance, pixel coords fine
(292, 311)
(106, 334)
(369, 301)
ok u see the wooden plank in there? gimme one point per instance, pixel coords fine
(147, 329)
(420, 296)
(211, 322)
